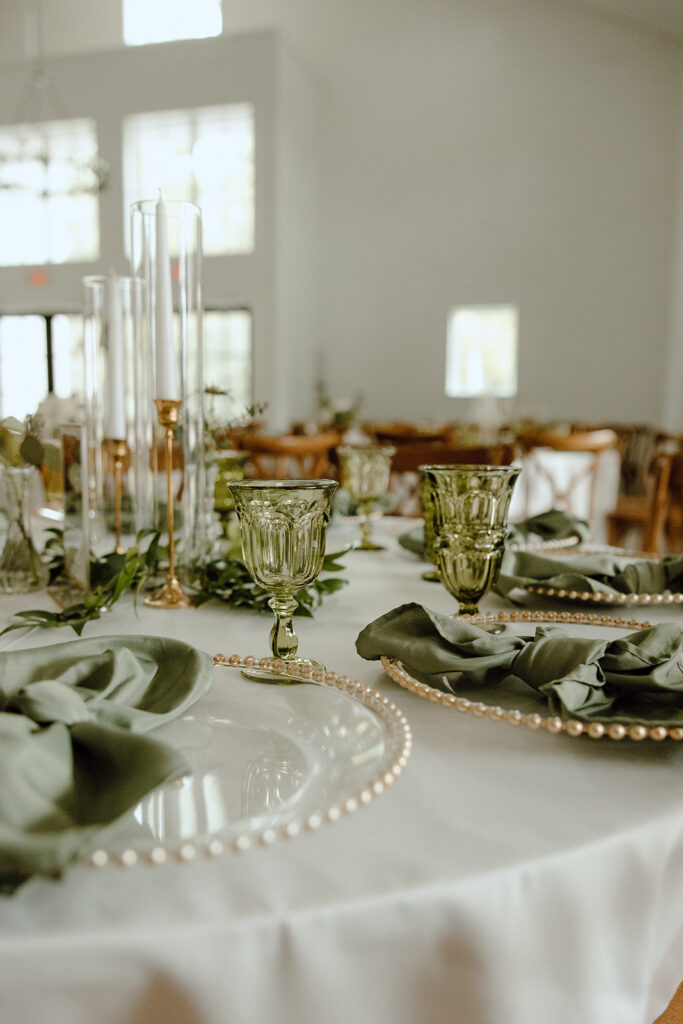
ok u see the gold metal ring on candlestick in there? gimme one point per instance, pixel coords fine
(171, 594)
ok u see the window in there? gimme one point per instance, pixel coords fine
(205, 156)
(481, 352)
(158, 21)
(48, 210)
(227, 361)
(53, 347)
(22, 344)
(66, 354)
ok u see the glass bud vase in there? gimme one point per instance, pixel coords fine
(21, 568)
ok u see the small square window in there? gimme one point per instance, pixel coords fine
(481, 352)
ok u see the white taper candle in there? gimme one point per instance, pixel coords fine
(167, 378)
(116, 371)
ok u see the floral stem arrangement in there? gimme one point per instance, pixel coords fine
(225, 578)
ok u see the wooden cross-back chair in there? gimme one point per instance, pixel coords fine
(564, 490)
(290, 455)
(649, 519)
(405, 480)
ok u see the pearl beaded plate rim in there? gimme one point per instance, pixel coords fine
(666, 597)
(541, 546)
(383, 743)
(554, 725)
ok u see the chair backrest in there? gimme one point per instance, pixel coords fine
(409, 457)
(404, 481)
(400, 433)
(564, 483)
(666, 508)
(290, 455)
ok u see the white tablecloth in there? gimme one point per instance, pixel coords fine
(508, 875)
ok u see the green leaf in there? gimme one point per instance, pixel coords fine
(52, 457)
(31, 450)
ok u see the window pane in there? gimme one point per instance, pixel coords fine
(227, 363)
(481, 352)
(48, 209)
(23, 343)
(67, 355)
(157, 21)
(205, 156)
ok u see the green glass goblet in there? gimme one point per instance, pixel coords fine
(470, 507)
(365, 475)
(283, 525)
(432, 575)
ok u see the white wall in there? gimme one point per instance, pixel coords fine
(517, 152)
(476, 151)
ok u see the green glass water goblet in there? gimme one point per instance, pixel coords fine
(283, 525)
(470, 508)
(431, 575)
(365, 475)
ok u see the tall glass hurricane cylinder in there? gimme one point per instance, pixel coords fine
(169, 265)
(111, 361)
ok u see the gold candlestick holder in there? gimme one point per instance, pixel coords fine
(119, 451)
(171, 594)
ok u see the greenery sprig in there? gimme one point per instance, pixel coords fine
(225, 578)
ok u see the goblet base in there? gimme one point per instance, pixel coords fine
(432, 576)
(368, 546)
(260, 675)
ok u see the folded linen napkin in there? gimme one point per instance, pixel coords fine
(638, 678)
(72, 754)
(547, 526)
(606, 574)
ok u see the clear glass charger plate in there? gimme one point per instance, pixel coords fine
(666, 597)
(518, 704)
(266, 763)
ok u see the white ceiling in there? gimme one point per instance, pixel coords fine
(663, 15)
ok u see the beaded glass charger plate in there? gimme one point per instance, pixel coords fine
(666, 597)
(518, 704)
(267, 763)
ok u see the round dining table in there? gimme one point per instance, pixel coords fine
(508, 876)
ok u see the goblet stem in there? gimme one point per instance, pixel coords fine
(365, 527)
(467, 608)
(366, 543)
(283, 639)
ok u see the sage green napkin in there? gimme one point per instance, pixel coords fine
(606, 574)
(638, 678)
(552, 525)
(72, 754)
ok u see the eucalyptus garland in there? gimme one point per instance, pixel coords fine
(139, 568)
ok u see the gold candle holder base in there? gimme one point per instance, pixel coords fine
(171, 594)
